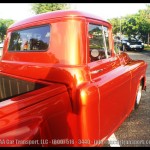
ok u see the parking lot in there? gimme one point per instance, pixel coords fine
(135, 131)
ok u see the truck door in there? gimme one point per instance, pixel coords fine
(111, 78)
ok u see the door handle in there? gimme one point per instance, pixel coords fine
(96, 71)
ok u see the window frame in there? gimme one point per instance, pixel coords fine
(103, 24)
(26, 28)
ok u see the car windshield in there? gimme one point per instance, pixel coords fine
(130, 40)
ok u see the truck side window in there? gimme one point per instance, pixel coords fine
(31, 39)
(98, 42)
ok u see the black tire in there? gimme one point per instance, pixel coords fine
(140, 50)
(138, 96)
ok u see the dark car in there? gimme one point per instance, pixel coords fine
(131, 44)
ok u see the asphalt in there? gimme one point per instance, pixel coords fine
(135, 130)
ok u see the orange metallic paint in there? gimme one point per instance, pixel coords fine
(76, 105)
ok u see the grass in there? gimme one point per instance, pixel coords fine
(146, 47)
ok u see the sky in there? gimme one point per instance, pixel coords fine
(20, 11)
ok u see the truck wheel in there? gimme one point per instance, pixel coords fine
(138, 96)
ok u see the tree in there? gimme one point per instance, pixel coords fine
(39, 8)
(116, 25)
(136, 25)
(145, 13)
(4, 24)
(130, 25)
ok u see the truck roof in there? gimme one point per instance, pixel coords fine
(57, 14)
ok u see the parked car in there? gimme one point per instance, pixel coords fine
(132, 44)
(61, 87)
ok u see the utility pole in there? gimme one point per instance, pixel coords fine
(148, 40)
(120, 27)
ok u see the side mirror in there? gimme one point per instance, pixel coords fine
(94, 53)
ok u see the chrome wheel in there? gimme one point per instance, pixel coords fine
(138, 96)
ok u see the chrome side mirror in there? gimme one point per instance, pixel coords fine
(94, 53)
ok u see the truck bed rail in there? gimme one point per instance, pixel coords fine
(10, 87)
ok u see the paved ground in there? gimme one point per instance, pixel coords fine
(135, 131)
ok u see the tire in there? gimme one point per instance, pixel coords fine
(140, 50)
(138, 96)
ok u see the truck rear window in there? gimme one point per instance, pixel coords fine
(30, 39)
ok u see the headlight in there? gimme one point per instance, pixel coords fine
(142, 43)
(128, 43)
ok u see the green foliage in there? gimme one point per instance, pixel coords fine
(136, 25)
(131, 25)
(4, 24)
(116, 24)
(39, 8)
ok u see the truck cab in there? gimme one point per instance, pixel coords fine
(66, 86)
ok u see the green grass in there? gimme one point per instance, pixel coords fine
(146, 47)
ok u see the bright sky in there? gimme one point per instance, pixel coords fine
(111, 10)
(15, 11)
(19, 11)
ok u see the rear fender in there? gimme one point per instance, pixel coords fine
(89, 113)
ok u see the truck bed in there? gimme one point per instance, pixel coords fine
(11, 87)
(32, 110)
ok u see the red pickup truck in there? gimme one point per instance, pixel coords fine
(63, 84)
